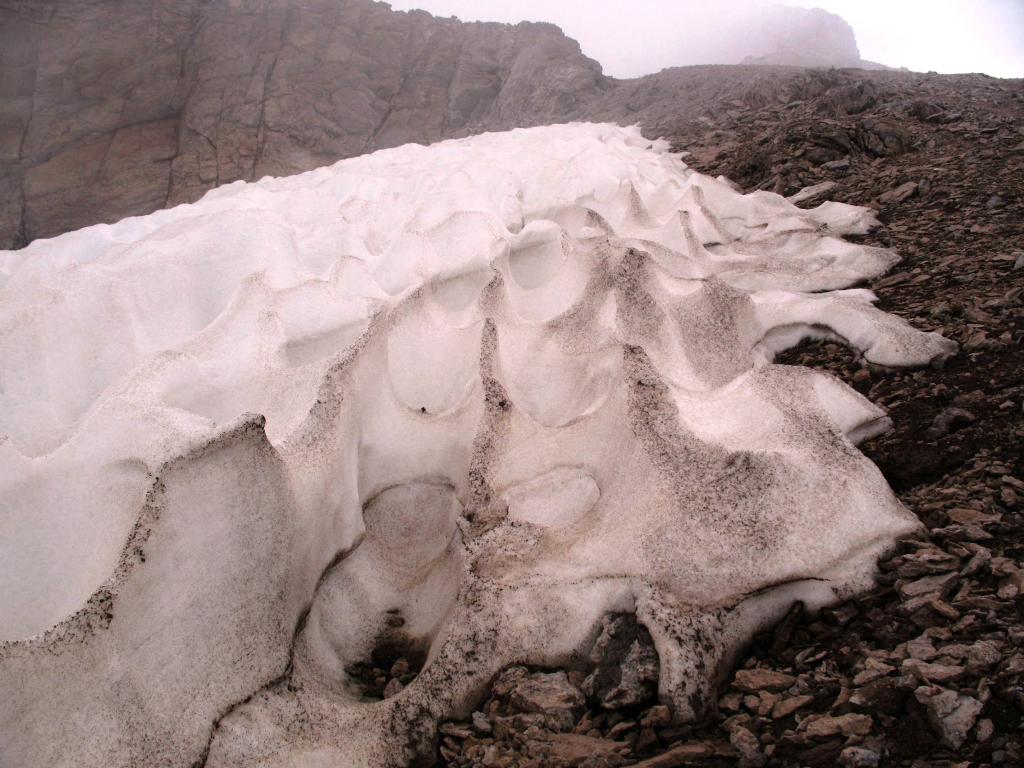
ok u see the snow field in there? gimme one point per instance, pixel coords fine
(472, 395)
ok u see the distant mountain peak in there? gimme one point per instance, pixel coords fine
(807, 37)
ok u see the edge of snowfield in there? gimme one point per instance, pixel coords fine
(507, 384)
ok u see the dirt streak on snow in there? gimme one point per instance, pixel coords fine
(524, 379)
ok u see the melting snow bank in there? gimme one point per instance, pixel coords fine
(507, 384)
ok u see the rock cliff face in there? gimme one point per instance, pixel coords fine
(115, 108)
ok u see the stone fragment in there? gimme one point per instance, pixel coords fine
(1003, 566)
(731, 701)
(939, 584)
(481, 723)
(950, 420)
(455, 730)
(965, 516)
(932, 673)
(886, 694)
(507, 728)
(815, 192)
(983, 655)
(859, 757)
(899, 194)
(950, 714)
(1011, 586)
(766, 702)
(841, 615)
(821, 726)
(546, 693)
(921, 648)
(756, 680)
(645, 741)
(625, 663)
(872, 673)
(686, 754)
(882, 137)
(656, 717)
(786, 707)
(748, 746)
(926, 112)
(572, 749)
(617, 731)
(925, 562)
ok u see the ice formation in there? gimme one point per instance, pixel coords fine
(504, 385)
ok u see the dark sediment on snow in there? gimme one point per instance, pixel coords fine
(928, 669)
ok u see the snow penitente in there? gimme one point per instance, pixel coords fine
(505, 385)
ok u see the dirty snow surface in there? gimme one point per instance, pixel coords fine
(473, 395)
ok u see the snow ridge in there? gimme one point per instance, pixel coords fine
(506, 384)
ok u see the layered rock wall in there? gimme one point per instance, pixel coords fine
(112, 109)
(115, 108)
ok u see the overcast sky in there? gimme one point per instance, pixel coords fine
(635, 37)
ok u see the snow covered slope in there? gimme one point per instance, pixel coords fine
(504, 385)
